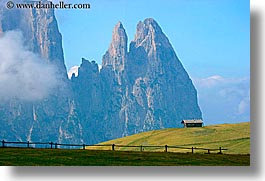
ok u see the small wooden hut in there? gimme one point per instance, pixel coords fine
(192, 123)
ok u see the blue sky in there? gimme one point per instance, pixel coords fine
(210, 37)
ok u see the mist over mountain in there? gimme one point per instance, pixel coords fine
(140, 89)
(35, 94)
(23, 74)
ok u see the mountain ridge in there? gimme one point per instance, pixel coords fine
(138, 83)
(141, 89)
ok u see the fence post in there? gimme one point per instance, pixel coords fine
(208, 151)
(55, 145)
(84, 146)
(192, 151)
(220, 150)
(51, 144)
(141, 147)
(28, 144)
(3, 143)
(166, 148)
(113, 147)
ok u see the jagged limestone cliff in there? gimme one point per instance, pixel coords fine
(140, 89)
(36, 120)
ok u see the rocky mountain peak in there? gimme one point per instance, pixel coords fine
(117, 51)
(118, 27)
(148, 26)
(87, 66)
(40, 31)
(144, 89)
(150, 36)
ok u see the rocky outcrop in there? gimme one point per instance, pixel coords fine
(37, 120)
(140, 89)
(169, 93)
(161, 88)
(117, 52)
(40, 32)
(145, 88)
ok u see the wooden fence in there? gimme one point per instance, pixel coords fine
(53, 145)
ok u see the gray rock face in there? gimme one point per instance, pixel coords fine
(145, 88)
(37, 120)
(117, 52)
(87, 92)
(163, 90)
(40, 31)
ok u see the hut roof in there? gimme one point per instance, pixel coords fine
(192, 121)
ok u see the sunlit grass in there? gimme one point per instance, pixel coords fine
(234, 137)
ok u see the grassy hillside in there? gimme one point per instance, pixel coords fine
(79, 157)
(234, 137)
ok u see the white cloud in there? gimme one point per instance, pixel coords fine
(73, 70)
(23, 74)
(208, 81)
(243, 106)
(99, 67)
(226, 99)
(217, 80)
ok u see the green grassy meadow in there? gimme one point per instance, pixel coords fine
(62, 157)
(234, 137)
